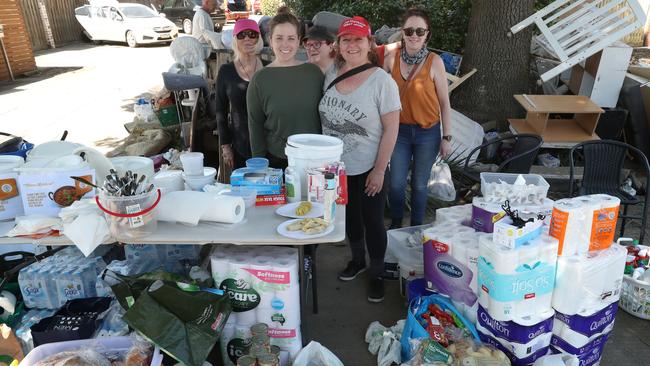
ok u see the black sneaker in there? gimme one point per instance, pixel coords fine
(351, 271)
(376, 290)
(395, 224)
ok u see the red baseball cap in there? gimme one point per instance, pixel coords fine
(356, 25)
(246, 24)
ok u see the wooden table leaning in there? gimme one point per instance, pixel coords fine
(258, 228)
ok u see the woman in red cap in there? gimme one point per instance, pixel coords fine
(283, 97)
(232, 83)
(422, 81)
(361, 106)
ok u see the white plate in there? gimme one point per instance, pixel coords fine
(289, 210)
(282, 230)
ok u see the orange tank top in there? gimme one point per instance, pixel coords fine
(420, 103)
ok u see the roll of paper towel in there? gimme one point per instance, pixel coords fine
(586, 284)
(517, 283)
(603, 220)
(579, 330)
(519, 354)
(589, 354)
(190, 207)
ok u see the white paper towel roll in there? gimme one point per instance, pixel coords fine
(7, 304)
(188, 207)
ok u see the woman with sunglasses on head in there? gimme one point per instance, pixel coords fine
(232, 83)
(319, 44)
(422, 81)
(361, 106)
(283, 97)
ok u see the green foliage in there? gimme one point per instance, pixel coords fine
(270, 7)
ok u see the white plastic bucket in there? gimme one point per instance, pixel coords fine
(306, 151)
(11, 204)
(192, 163)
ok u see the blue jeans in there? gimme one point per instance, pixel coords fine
(420, 145)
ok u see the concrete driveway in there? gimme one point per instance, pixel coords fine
(86, 89)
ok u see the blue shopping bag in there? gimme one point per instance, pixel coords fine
(417, 307)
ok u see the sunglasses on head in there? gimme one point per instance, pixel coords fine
(419, 31)
(248, 33)
(314, 44)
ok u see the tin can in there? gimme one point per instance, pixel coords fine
(246, 361)
(259, 350)
(259, 328)
(275, 350)
(268, 360)
(262, 339)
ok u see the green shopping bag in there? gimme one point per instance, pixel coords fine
(183, 320)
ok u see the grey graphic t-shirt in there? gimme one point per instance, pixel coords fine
(355, 117)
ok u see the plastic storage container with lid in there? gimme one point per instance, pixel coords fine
(257, 164)
(536, 195)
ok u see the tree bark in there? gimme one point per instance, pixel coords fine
(502, 61)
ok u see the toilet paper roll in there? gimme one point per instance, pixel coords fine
(220, 266)
(188, 207)
(578, 329)
(288, 265)
(519, 354)
(534, 326)
(7, 304)
(288, 302)
(576, 339)
(247, 318)
(263, 277)
(589, 354)
(285, 358)
(278, 319)
(568, 222)
(289, 340)
(227, 335)
(586, 284)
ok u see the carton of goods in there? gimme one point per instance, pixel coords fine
(266, 183)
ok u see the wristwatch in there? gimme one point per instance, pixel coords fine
(447, 138)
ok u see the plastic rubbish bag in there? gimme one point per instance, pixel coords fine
(83, 357)
(315, 354)
(441, 185)
(385, 342)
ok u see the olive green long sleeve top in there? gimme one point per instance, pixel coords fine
(282, 101)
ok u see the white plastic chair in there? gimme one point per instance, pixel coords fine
(573, 30)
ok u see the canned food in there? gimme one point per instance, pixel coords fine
(268, 360)
(275, 350)
(258, 350)
(246, 361)
(262, 339)
(259, 328)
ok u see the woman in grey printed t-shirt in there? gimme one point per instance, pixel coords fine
(363, 111)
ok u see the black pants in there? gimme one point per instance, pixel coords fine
(364, 218)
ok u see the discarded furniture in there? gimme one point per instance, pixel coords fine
(455, 81)
(573, 30)
(520, 160)
(603, 164)
(581, 127)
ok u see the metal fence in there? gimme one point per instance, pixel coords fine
(51, 23)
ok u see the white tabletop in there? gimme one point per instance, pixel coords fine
(258, 228)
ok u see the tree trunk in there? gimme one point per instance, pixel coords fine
(502, 61)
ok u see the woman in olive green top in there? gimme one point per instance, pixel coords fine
(282, 98)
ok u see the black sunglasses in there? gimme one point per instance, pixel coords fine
(419, 31)
(248, 33)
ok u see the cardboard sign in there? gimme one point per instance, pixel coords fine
(47, 193)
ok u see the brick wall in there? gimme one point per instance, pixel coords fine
(16, 40)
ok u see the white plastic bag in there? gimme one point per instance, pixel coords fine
(315, 354)
(441, 185)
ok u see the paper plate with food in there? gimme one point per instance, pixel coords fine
(305, 228)
(301, 210)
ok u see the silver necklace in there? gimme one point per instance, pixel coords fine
(244, 69)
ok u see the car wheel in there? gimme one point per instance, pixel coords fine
(130, 39)
(187, 26)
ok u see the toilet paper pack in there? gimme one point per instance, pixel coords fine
(578, 330)
(588, 283)
(485, 214)
(532, 328)
(589, 354)
(514, 284)
(454, 214)
(584, 224)
(519, 354)
(450, 263)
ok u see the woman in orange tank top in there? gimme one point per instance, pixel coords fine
(425, 116)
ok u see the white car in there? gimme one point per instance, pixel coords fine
(134, 24)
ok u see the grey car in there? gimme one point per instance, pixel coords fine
(181, 13)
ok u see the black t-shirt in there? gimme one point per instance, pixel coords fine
(232, 115)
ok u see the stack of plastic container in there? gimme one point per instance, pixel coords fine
(67, 275)
(589, 275)
(516, 270)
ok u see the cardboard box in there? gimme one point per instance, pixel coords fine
(269, 182)
(271, 199)
(508, 235)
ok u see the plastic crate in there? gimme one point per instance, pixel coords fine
(635, 296)
(168, 116)
(510, 178)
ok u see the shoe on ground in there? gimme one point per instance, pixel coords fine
(376, 290)
(352, 270)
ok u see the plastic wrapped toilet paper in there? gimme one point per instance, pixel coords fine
(289, 340)
(557, 360)
(586, 284)
(578, 330)
(532, 327)
(235, 340)
(514, 284)
(446, 264)
(589, 354)
(519, 354)
(190, 207)
(456, 214)
(584, 224)
(485, 214)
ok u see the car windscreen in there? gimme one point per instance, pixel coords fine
(137, 12)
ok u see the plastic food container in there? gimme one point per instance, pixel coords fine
(130, 217)
(247, 194)
(192, 163)
(538, 194)
(197, 182)
(257, 163)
